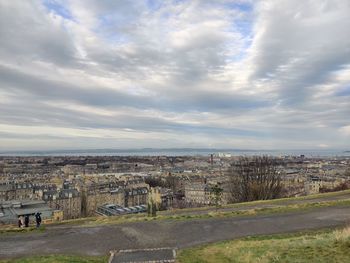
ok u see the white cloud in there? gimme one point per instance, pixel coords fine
(248, 74)
(345, 130)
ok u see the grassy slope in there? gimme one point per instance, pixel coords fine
(57, 259)
(271, 202)
(322, 246)
(319, 246)
(94, 221)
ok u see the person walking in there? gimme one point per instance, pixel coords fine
(21, 219)
(38, 219)
(19, 222)
(26, 221)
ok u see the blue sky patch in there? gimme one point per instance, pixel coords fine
(58, 9)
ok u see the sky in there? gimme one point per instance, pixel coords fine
(94, 74)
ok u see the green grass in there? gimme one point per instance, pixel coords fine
(324, 246)
(16, 229)
(58, 259)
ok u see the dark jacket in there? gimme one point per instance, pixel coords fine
(38, 218)
(26, 221)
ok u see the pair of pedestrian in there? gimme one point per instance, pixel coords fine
(23, 221)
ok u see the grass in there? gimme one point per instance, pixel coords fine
(16, 229)
(323, 246)
(243, 212)
(268, 202)
(58, 259)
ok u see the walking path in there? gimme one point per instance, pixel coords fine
(100, 240)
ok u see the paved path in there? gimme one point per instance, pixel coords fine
(156, 255)
(165, 233)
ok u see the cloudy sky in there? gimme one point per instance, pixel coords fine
(79, 74)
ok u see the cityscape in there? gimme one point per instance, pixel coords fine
(82, 186)
(187, 131)
(65, 188)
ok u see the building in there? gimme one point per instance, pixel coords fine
(113, 210)
(202, 194)
(16, 191)
(136, 196)
(312, 186)
(98, 195)
(197, 193)
(66, 200)
(163, 197)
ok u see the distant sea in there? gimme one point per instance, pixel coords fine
(176, 152)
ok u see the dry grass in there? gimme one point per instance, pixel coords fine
(15, 229)
(57, 259)
(342, 235)
(324, 246)
(212, 214)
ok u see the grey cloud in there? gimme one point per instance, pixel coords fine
(301, 45)
(44, 89)
(39, 88)
(27, 34)
(40, 114)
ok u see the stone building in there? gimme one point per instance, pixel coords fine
(312, 185)
(16, 191)
(131, 181)
(66, 200)
(163, 197)
(101, 194)
(202, 194)
(197, 193)
(136, 196)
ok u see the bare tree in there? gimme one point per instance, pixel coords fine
(171, 181)
(216, 192)
(347, 172)
(255, 178)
